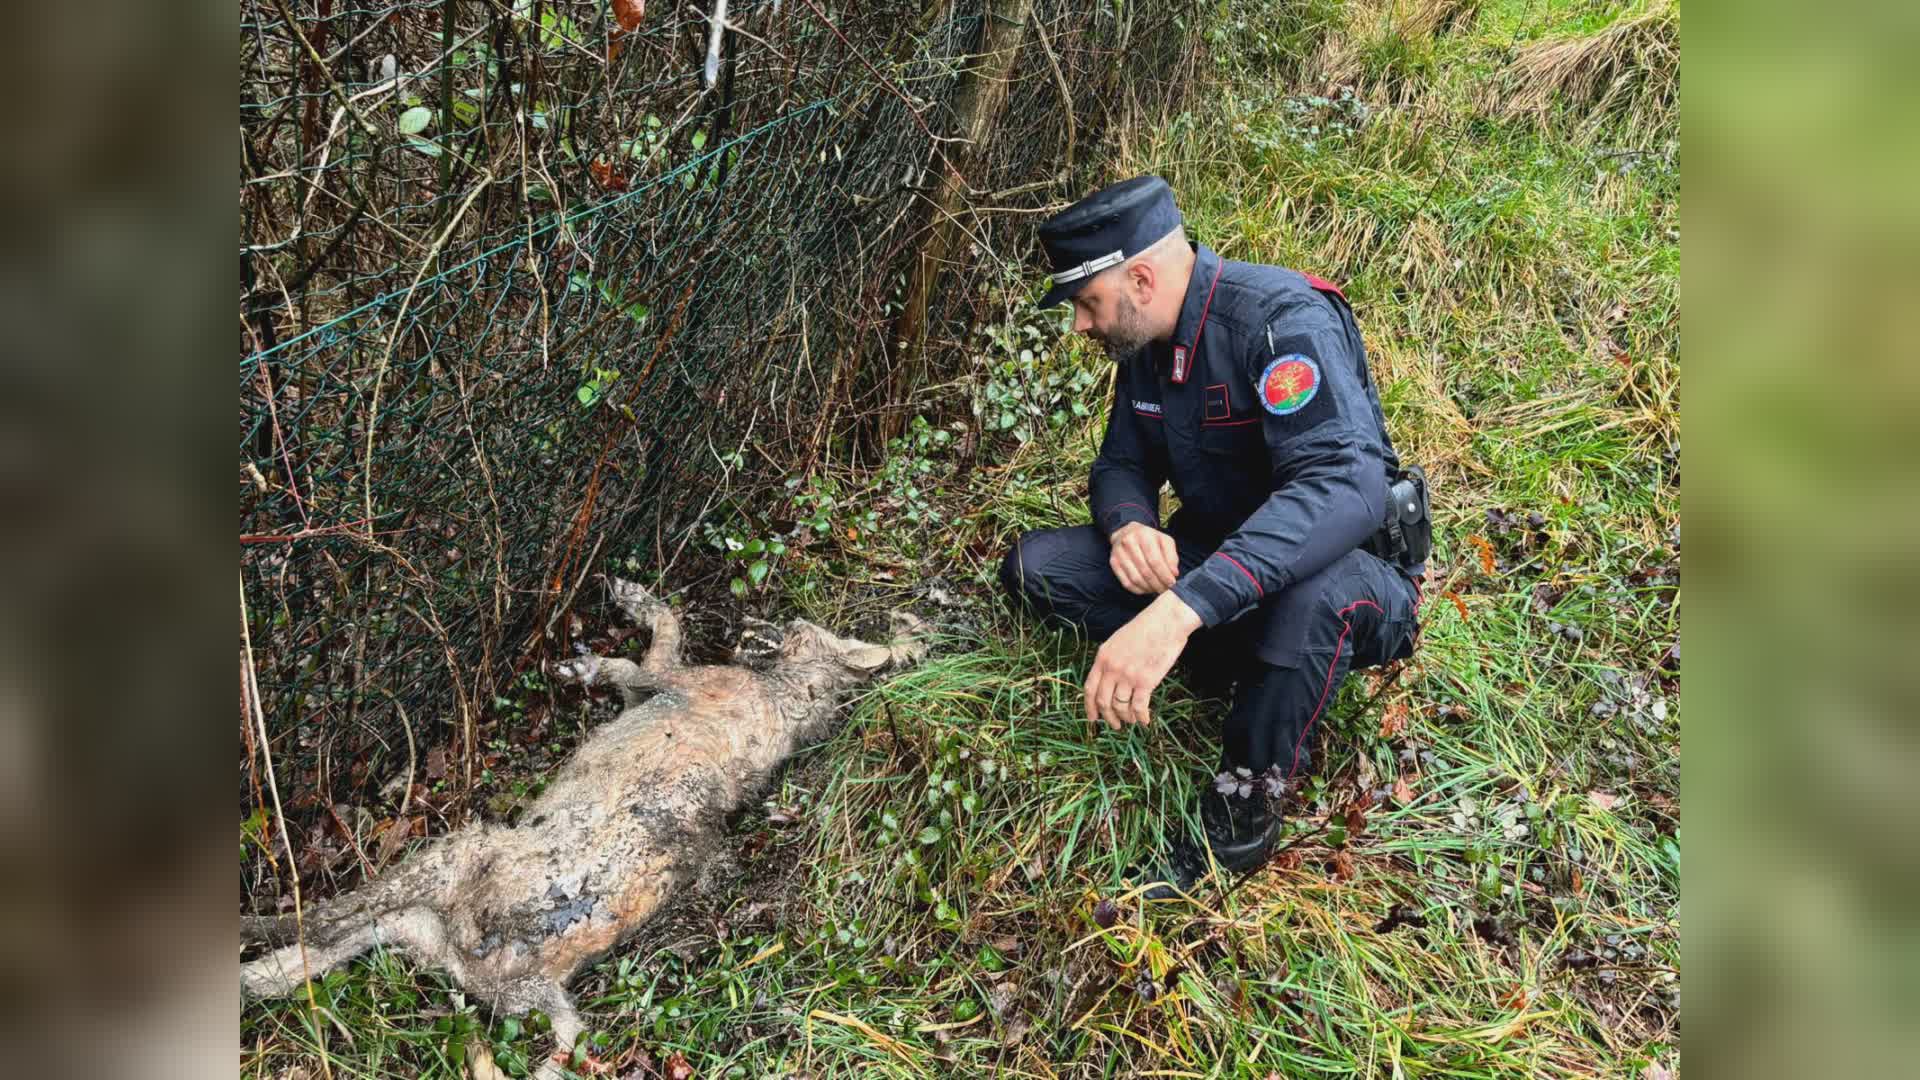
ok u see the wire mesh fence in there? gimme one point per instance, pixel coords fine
(516, 275)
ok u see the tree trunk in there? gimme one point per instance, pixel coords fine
(977, 105)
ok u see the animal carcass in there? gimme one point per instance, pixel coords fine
(514, 913)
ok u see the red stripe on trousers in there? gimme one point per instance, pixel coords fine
(1327, 690)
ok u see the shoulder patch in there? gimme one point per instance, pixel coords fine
(1288, 384)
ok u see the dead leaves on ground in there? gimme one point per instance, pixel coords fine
(1393, 720)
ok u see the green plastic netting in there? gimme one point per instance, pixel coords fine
(513, 280)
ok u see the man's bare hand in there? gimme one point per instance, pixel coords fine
(1132, 663)
(1144, 559)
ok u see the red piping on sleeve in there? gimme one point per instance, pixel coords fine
(1242, 569)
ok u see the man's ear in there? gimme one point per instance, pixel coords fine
(1142, 276)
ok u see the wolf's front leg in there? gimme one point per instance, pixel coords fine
(649, 611)
(590, 670)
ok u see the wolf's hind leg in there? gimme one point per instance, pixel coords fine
(282, 971)
(566, 1031)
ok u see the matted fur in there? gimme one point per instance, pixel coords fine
(514, 913)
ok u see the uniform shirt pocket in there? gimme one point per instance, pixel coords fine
(1228, 432)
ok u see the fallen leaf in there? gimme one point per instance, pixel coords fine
(1459, 604)
(1106, 913)
(1515, 999)
(1356, 819)
(393, 836)
(1341, 866)
(606, 175)
(1394, 720)
(1655, 1071)
(1402, 791)
(677, 1067)
(628, 13)
(1603, 800)
(437, 763)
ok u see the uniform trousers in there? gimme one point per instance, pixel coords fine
(1282, 660)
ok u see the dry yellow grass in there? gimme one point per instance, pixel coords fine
(1630, 70)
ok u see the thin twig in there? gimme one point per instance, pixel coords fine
(279, 813)
(318, 62)
(406, 793)
(1060, 81)
(248, 539)
(280, 439)
(393, 338)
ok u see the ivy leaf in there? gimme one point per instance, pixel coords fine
(699, 139)
(414, 121)
(738, 587)
(758, 571)
(929, 835)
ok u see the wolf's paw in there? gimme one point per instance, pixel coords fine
(582, 669)
(632, 598)
(910, 634)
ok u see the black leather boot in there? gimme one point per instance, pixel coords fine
(1239, 826)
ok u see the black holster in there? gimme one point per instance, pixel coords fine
(1407, 536)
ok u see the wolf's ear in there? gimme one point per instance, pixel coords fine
(869, 657)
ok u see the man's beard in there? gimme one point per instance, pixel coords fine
(1129, 334)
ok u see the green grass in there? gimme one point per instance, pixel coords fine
(931, 911)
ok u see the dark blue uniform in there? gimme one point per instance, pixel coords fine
(1262, 414)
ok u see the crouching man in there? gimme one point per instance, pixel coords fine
(1299, 540)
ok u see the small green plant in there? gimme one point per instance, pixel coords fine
(755, 555)
(908, 480)
(253, 832)
(1026, 388)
